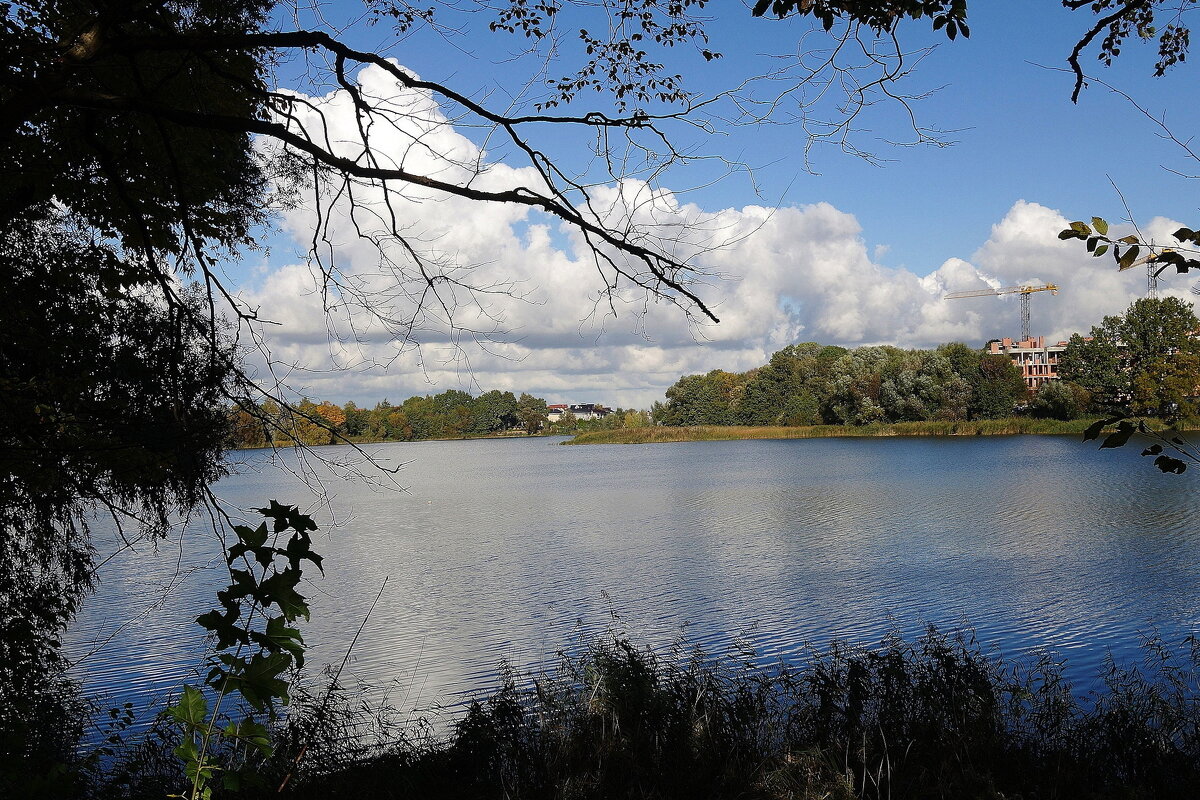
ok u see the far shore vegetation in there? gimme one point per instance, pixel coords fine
(1145, 363)
(988, 427)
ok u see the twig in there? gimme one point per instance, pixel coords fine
(329, 691)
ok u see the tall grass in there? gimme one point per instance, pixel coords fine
(986, 427)
(936, 717)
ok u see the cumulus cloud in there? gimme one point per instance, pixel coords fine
(781, 275)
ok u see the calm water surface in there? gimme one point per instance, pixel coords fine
(511, 549)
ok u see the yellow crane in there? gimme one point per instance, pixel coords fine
(1024, 291)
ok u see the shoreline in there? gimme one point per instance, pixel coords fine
(1013, 426)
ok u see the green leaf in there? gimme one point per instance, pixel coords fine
(260, 683)
(1101, 250)
(1100, 225)
(192, 708)
(279, 637)
(187, 751)
(252, 733)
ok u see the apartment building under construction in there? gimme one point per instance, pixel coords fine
(1037, 361)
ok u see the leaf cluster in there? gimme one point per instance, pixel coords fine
(1126, 428)
(256, 646)
(1127, 249)
(879, 15)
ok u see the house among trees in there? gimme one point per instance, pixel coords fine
(1037, 361)
(581, 411)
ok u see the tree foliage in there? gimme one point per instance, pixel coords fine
(1144, 362)
(812, 384)
(144, 143)
(112, 408)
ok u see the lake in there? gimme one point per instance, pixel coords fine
(513, 549)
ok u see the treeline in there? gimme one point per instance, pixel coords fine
(1146, 362)
(814, 384)
(453, 414)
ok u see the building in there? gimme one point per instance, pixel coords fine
(581, 411)
(1037, 361)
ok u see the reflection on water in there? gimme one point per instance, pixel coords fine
(508, 549)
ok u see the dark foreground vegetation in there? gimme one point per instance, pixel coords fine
(937, 717)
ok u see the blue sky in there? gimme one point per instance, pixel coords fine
(1024, 160)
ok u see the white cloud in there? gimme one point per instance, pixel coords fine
(789, 274)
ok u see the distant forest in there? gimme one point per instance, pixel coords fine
(453, 414)
(1146, 362)
(815, 384)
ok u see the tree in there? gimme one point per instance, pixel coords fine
(1059, 400)
(1095, 364)
(495, 411)
(999, 390)
(790, 388)
(1143, 362)
(1155, 327)
(1163, 356)
(566, 421)
(532, 413)
(704, 399)
(110, 410)
(1165, 387)
(157, 136)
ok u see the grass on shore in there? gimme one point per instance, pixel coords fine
(985, 427)
(933, 718)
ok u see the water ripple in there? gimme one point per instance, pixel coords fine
(516, 550)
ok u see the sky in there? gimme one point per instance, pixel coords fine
(796, 246)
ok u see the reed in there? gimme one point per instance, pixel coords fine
(939, 716)
(988, 427)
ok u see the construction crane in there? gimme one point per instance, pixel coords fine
(1151, 272)
(1024, 291)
